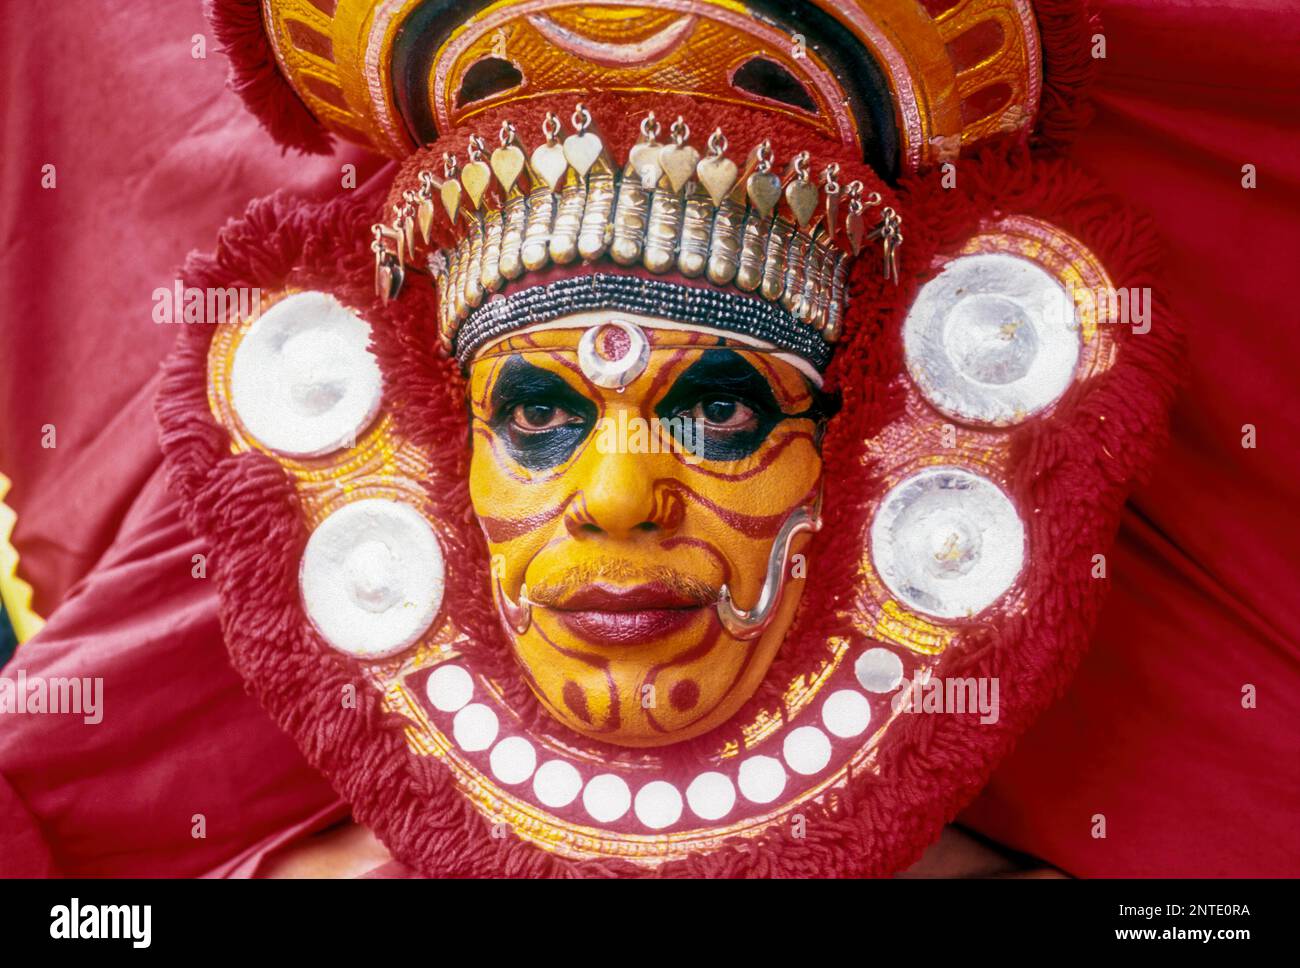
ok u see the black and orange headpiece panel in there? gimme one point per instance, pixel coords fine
(908, 84)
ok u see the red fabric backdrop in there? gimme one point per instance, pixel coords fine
(152, 154)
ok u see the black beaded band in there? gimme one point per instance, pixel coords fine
(747, 315)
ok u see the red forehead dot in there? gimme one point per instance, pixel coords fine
(612, 343)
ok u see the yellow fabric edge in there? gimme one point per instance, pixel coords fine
(16, 593)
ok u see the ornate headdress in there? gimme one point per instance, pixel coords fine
(667, 209)
(718, 164)
(900, 85)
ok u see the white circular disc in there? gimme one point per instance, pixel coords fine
(475, 727)
(806, 750)
(606, 798)
(711, 796)
(303, 381)
(947, 542)
(658, 805)
(372, 578)
(513, 760)
(992, 339)
(761, 779)
(449, 688)
(557, 783)
(879, 670)
(846, 713)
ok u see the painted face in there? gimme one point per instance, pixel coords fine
(621, 513)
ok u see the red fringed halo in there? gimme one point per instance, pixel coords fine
(1073, 470)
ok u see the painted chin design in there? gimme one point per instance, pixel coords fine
(594, 651)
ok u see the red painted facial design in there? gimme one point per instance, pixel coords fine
(624, 511)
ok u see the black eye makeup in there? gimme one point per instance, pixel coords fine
(539, 417)
(730, 406)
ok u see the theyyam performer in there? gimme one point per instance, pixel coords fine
(716, 381)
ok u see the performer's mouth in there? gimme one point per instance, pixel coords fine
(624, 616)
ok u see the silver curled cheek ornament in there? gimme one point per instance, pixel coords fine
(517, 615)
(747, 624)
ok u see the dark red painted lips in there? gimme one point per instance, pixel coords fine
(624, 616)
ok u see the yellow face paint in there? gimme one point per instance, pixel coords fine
(624, 511)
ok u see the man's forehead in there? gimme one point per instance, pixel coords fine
(555, 351)
(565, 335)
(672, 349)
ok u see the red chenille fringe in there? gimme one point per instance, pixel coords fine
(1066, 29)
(1074, 470)
(256, 78)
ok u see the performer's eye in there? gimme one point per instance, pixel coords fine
(722, 412)
(538, 417)
(542, 433)
(721, 407)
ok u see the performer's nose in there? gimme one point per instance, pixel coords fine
(621, 498)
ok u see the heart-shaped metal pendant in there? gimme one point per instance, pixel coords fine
(451, 194)
(718, 176)
(832, 223)
(855, 226)
(764, 190)
(424, 218)
(582, 151)
(549, 164)
(644, 160)
(476, 178)
(389, 276)
(678, 163)
(408, 233)
(802, 197)
(508, 164)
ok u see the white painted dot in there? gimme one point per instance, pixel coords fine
(711, 796)
(879, 670)
(449, 688)
(475, 727)
(846, 713)
(807, 750)
(513, 760)
(658, 805)
(762, 778)
(606, 798)
(557, 783)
